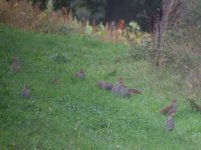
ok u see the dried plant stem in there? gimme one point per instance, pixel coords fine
(168, 9)
(116, 53)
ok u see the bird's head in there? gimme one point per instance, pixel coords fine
(121, 81)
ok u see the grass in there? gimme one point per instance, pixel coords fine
(75, 114)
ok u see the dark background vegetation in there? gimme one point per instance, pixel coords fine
(108, 10)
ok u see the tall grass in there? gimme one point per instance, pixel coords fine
(25, 15)
(179, 48)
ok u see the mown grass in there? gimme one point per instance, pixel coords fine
(75, 114)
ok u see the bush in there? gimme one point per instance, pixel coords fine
(22, 14)
(25, 15)
(19, 14)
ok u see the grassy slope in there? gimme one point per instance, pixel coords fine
(77, 115)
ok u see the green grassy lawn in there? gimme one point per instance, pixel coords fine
(75, 114)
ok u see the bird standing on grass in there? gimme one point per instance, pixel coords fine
(15, 67)
(80, 74)
(169, 109)
(55, 81)
(25, 92)
(120, 89)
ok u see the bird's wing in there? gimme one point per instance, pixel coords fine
(165, 109)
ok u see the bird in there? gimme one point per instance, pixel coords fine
(15, 66)
(25, 92)
(55, 81)
(104, 85)
(170, 123)
(170, 109)
(118, 85)
(123, 92)
(120, 89)
(80, 74)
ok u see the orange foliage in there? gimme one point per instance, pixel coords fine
(121, 24)
(65, 14)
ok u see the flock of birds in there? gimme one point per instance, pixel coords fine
(119, 89)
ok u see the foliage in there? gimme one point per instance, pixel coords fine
(134, 26)
(22, 14)
(49, 6)
(180, 48)
(59, 22)
(63, 22)
(88, 29)
(19, 14)
(93, 10)
(102, 10)
(183, 42)
(190, 12)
